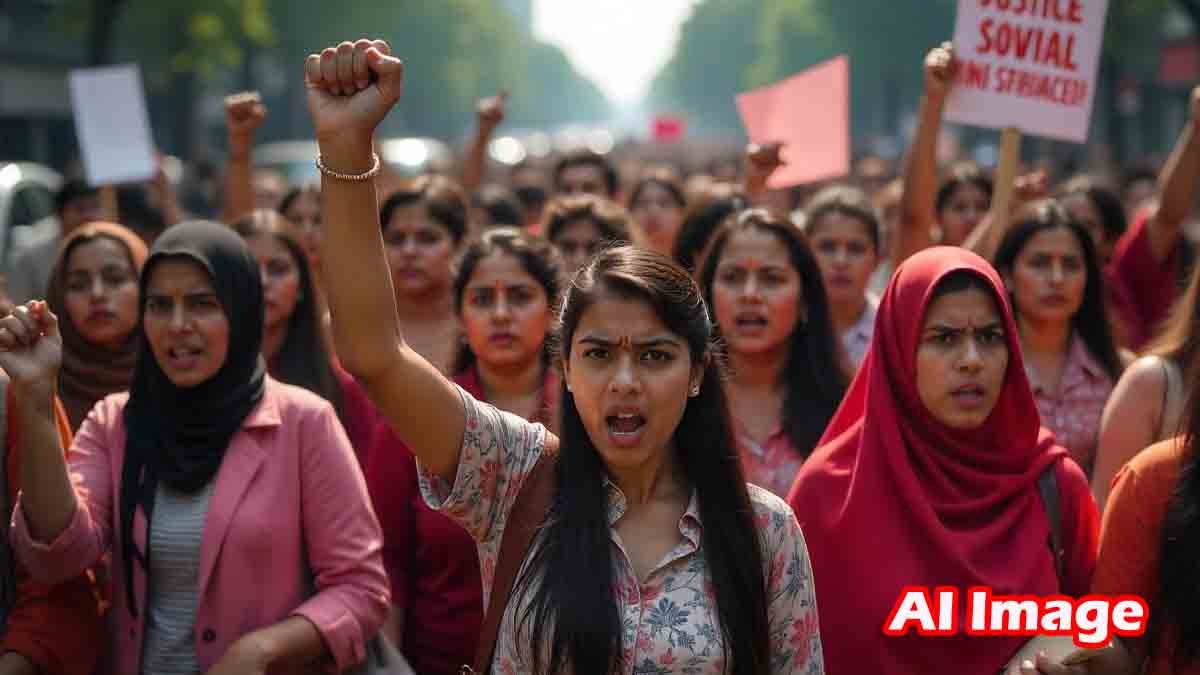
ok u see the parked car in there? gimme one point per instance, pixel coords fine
(27, 193)
(410, 156)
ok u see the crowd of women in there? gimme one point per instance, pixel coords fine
(589, 422)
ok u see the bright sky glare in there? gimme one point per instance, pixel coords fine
(619, 44)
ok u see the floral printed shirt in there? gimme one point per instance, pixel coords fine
(1073, 410)
(669, 621)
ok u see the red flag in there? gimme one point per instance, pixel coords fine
(668, 129)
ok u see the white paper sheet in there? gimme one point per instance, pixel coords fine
(112, 125)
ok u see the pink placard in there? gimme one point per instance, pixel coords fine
(809, 113)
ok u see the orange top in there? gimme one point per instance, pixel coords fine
(58, 628)
(1131, 532)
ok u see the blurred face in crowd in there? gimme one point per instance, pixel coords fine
(280, 279)
(80, 211)
(962, 358)
(963, 211)
(1049, 276)
(577, 242)
(305, 213)
(184, 322)
(845, 252)
(1084, 212)
(757, 293)
(101, 293)
(657, 216)
(419, 252)
(582, 179)
(269, 189)
(630, 378)
(505, 313)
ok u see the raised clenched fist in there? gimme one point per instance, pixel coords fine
(491, 110)
(244, 114)
(31, 347)
(351, 88)
(939, 71)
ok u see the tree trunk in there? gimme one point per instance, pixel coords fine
(101, 31)
(183, 109)
(1109, 77)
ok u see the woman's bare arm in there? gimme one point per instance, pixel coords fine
(350, 90)
(920, 181)
(1129, 424)
(244, 113)
(1176, 187)
(489, 113)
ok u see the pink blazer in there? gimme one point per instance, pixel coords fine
(289, 512)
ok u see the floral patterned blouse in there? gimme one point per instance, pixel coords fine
(670, 625)
(1073, 409)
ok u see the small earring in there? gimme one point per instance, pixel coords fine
(695, 391)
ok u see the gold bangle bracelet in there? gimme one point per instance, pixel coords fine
(352, 177)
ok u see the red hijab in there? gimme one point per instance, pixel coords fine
(891, 497)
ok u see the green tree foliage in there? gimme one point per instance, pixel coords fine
(728, 46)
(455, 51)
(169, 36)
(717, 45)
(551, 92)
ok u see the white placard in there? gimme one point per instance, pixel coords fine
(1029, 64)
(112, 125)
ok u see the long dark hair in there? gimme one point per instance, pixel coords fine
(536, 256)
(1178, 339)
(303, 358)
(1090, 321)
(705, 213)
(1102, 198)
(1177, 604)
(571, 615)
(813, 373)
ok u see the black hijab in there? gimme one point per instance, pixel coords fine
(179, 435)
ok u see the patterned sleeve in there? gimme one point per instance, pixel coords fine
(791, 596)
(499, 450)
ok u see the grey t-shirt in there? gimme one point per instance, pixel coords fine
(176, 530)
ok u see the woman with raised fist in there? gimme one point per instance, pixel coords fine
(241, 534)
(653, 555)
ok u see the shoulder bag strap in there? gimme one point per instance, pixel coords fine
(1048, 489)
(527, 515)
(1172, 386)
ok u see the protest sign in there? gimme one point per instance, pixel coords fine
(112, 125)
(809, 113)
(668, 129)
(1029, 64)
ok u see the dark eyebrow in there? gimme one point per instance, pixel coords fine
(648, 342)
(943, 328)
